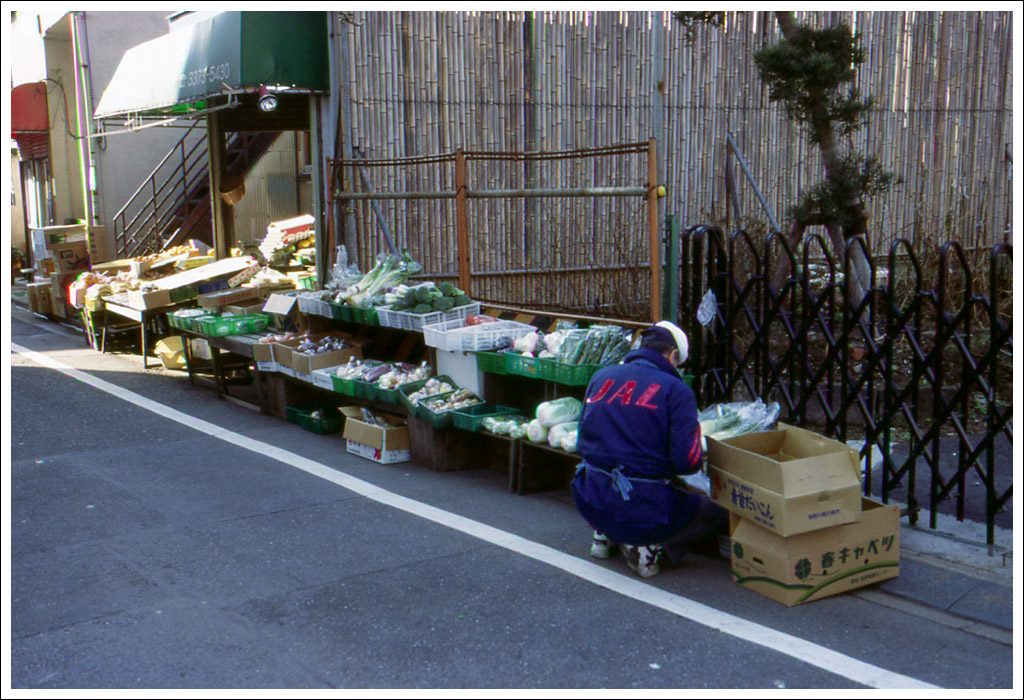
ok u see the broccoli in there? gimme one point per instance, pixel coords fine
(448, 289)
(423, 295)
(399, 306)
(443, 304)
(410, 298)
(422, 309)
(461, 300)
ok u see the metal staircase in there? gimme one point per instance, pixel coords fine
(173, 203)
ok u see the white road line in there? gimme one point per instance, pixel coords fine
(800, 649)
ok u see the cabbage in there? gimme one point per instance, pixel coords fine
(565, 410)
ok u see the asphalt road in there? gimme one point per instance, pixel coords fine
(146, 553)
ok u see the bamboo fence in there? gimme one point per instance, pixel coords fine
(427, 83)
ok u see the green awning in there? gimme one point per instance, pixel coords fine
(229, 52)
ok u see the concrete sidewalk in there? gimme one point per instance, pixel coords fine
(948, 574)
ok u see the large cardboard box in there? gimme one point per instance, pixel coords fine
(386, 444)
(802, 568)
(788, 480)
(97, 244)
(69, 257)
(39, 297)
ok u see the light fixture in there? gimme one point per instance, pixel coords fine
(268, 100)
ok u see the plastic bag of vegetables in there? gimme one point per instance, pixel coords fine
(725, 420)
(535, 432)
(560, 431)
(564, 410)
(569, 441)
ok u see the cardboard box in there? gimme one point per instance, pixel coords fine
(70, 257)
(171, 352)
(149, 300)
(194, 261)
(240, 309)
(788, 480)
(39, 297)
(113, 267)
(802, 568)
(386, 444)
(283, 355)
(224, 297)
(305, 364)
(263, 355)
(97, 245)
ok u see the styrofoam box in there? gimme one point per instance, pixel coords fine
(455, 335)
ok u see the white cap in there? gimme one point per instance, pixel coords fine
(680, 337)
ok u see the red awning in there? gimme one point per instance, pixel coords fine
(30, 120)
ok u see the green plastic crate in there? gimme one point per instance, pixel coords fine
(570, 375)
(343, 386)
(368, 317)
(364, 390)
(328, 422)
(436, 420)
(471, 418)
(522, 366)
(411, 388)
(340, 312)
(491, 362)
(187, 323)
(220, 326)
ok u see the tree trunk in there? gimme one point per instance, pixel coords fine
(826, 138)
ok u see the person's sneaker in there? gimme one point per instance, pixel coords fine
(643, 560)
(601, 548)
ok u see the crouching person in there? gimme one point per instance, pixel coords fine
(638, 431)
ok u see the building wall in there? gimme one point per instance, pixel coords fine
(65, 161)
(273, 191)
(123, 161)
(17, 208)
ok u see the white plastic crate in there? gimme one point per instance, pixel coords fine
(312, 305)
(322, 377)
(455, 335)
(415, 322)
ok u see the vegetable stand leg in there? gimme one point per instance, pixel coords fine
(186, 351)
(218, 371)
(144, 339)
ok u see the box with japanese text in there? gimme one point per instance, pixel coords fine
(802, 568)
(788, 480)
(386, 442)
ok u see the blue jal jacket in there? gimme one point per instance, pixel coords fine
(638, 429)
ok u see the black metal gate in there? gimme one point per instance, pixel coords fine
(922, 373)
